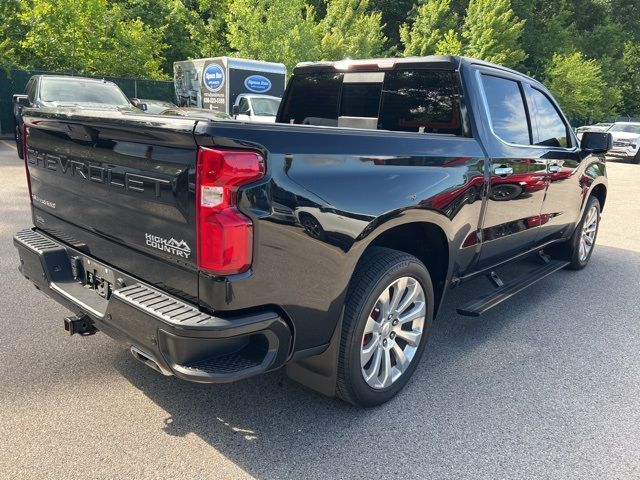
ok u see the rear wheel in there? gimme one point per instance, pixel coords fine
(387, 321)
(579, 248)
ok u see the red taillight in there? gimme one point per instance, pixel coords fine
(225, 236)
(26, 157)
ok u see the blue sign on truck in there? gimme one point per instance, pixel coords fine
(257, 84)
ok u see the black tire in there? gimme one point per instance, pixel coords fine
(636, 160)
(377, 270)
(570, 251)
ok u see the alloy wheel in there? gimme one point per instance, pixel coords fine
(588, 234)
(393, 332)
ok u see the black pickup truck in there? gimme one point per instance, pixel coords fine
(325, 242)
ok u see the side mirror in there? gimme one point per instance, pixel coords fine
(138, 104)
(22, 100)
(235, 110)
(596, 142)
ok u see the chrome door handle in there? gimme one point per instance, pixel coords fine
(554, 168)
(502, 170)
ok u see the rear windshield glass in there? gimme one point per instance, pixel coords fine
(78, 92)
(412, 100)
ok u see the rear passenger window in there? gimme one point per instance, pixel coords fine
(552, 131)
(507, 110)
(421, 101)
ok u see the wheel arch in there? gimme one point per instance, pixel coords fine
(425, 240)
(600, 192)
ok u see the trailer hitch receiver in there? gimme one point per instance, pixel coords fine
(80, 324)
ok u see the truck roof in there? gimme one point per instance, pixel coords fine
(436, 61)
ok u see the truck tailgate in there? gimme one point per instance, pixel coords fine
(120, 188)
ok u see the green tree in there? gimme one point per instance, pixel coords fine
(492, 32)
(11, 31)
(579, 86)
(273, 30)
(394, 14)
(87, 36)
(549, 29)
(627, 14)
(210, 34)
(349, 30)
(433, 22)
(449, 45)
(630, 79)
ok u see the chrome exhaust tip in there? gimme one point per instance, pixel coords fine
(148, 360)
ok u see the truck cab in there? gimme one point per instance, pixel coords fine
(256, 108)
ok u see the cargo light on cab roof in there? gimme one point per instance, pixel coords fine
(348, 64)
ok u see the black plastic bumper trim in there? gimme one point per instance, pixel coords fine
(176, 335)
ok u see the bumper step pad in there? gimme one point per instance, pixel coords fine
(163, 307)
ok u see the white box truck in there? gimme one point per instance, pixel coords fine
(215, 83)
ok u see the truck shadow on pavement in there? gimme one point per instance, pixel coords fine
(513, 379)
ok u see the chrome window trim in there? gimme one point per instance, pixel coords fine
(485, 103)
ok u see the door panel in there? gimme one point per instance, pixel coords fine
(517, 177)
(563, 198)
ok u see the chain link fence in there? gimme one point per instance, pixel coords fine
(15, 81)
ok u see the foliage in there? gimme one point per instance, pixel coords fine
(86, 36)
(450, 44)
(578, 85)
(434, 20)
(144, 37)
(273, 30)
(630, 79)
(492, 32)
(548, 29)
(348, 30)
(394, 14)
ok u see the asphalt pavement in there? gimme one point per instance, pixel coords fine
(544, 386)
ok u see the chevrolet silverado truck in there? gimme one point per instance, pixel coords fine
(324, 243)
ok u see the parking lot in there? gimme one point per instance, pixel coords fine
(544, 386)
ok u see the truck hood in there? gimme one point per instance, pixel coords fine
(624, 136)
(90, 106)
(263, 119)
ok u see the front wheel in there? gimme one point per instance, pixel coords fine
(386, 324)
(636, 158)
(579, 248)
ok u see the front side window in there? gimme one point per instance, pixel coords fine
(507, 110)
(31, 90)
(552, 131)
(244, 106)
